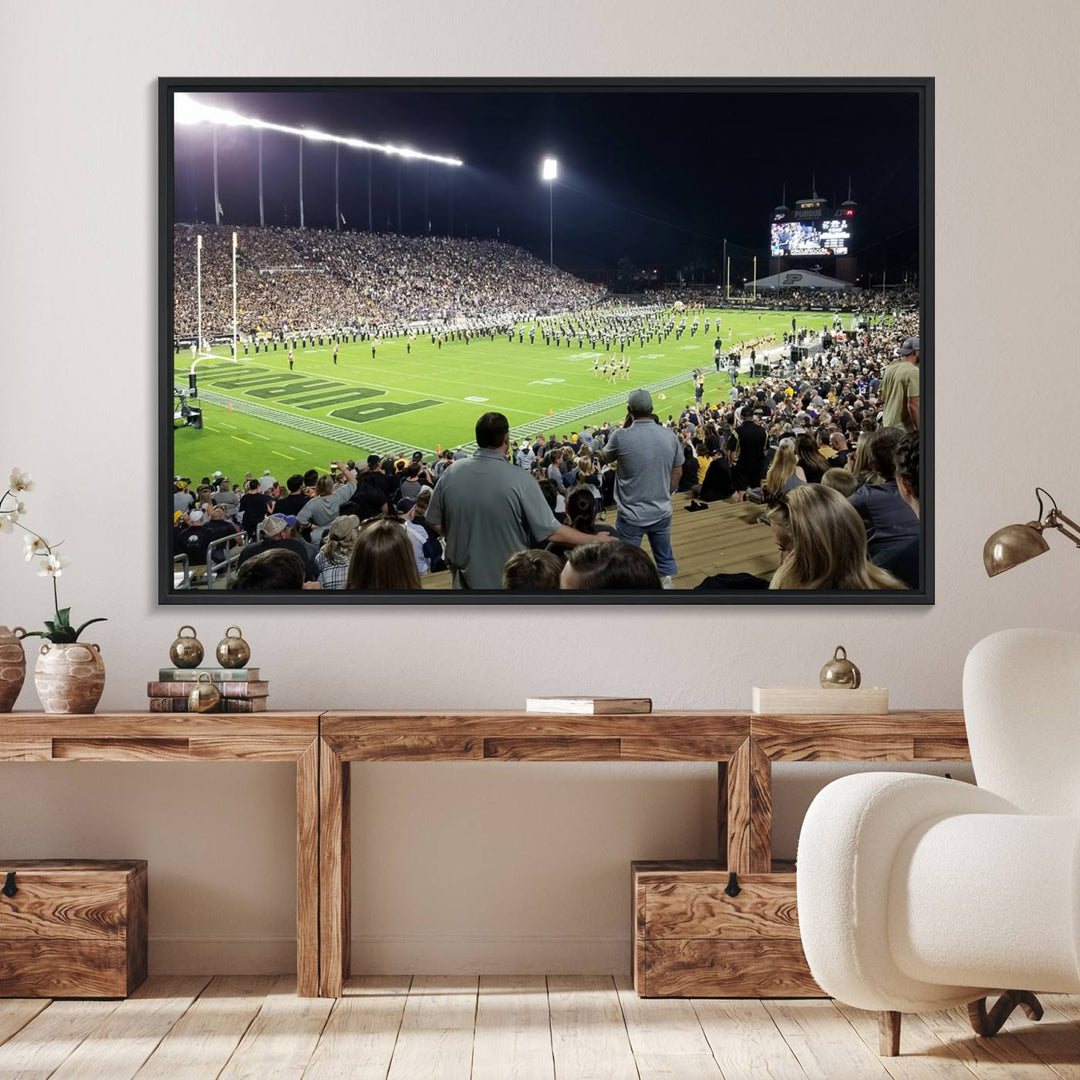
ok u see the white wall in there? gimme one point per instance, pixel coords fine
(494, 867)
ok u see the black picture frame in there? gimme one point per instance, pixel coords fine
(922, 87)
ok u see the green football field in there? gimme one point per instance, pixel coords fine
(258, 415)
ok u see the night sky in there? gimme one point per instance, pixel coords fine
(657, 177)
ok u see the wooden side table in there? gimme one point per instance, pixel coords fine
(258, 737)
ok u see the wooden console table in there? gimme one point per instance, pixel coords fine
(260, 737)
(742, 744)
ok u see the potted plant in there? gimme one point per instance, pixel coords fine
(69, 674)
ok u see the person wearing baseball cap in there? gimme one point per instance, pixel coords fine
(192, 539)
(648, 461)
(276, 534)
(900, 388)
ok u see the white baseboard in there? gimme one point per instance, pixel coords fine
(429, 954)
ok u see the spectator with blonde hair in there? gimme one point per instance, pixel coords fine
(822, 543)
(785, 473)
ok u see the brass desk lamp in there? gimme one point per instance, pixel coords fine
(1014, 544)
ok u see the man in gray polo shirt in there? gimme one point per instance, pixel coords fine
(487, 509)
(648, 461)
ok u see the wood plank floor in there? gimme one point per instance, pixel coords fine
(524, 1027)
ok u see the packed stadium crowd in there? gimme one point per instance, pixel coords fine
(299, 279)
(829, 447)
(869, 301)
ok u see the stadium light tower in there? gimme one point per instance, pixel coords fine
(301, 181)
(217, 203)
(234, 350)
(262, 216)
(550, 173)
(198, 285)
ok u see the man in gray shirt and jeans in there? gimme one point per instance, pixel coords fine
(487, 509)
(648, 461)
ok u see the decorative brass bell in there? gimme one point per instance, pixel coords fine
(204, 695)
(840, 673)
(186, 652)
(233, 652)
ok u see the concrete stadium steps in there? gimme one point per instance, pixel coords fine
(725, 539)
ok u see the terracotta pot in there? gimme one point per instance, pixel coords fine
(12, 666)
(69, 678)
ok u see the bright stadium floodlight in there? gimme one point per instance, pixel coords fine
(549, 171)
(186, 110)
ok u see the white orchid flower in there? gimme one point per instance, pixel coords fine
(8, 519)
(20, 481)
(34, 545)
(53, 566)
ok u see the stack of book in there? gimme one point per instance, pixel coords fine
(241, 689)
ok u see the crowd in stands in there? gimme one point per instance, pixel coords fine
(830, 449)
(868, 301)
(291, 280)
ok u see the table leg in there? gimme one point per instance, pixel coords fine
(307, 872)
(722, 813)
(749, 810)
(334, 872)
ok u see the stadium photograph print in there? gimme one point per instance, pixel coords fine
(546, 341)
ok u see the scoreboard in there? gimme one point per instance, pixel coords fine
(825, 237)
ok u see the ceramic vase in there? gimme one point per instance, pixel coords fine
(69, 678)
(12, 666)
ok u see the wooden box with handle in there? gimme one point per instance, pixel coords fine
(72, 928)
(701, 931)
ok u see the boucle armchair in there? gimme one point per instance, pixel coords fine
(918, 893)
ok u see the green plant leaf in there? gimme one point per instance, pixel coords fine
(63, 616)
(85, 625)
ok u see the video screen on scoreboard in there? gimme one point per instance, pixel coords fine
(810, 238)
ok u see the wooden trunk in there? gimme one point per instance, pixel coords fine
(72, 928)
(692, 939)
